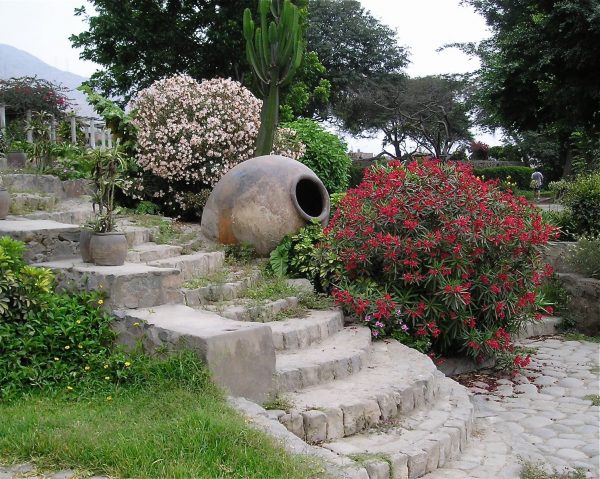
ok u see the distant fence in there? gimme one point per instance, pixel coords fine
(96, 132)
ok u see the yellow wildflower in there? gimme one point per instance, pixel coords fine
(78, 321)
(109, 398)
(56, 359)
(80, 346)
(100, 302)
(136, 324)
(106, 366)
(107, 378)
(67, 347)
(127, 364)
(87, 368)
(69, 388)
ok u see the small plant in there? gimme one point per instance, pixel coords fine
(242, 253)
(536, 471)
(298, 256)
(595, 398)
(554, 294)
(278, 402)
(107, 174)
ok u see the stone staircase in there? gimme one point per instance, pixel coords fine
(376, 410)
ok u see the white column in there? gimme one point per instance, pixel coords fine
(3, 119)
(52, 129)
(29, 131)
(92, 134)
(103, 138)
(73, 130)
(109, 135)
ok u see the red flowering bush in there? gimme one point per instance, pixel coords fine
(438, 258)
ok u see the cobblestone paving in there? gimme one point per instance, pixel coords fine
(539, 416)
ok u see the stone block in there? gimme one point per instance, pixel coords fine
(417, 463)
(335, 423)
(585, 301)
(399, 464)
(377, 469)
(45, 240)
(131, 285)
(193, 265)
(557, 253)
(294, 423)
(315, 426)
(240, 356)
(28, 183)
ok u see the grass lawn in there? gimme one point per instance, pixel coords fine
(173, 424)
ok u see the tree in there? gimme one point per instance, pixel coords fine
(427, 114)
(539, 67)
(351, 44)
(140, 41)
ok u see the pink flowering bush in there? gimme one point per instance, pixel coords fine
(189, 134)
(439, 259)
(194, 132)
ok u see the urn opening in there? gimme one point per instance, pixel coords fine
(310, 198)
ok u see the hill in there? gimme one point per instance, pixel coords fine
(18, 63)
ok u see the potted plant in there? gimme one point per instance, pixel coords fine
(107, 246)
(4, 200)
(16, 156)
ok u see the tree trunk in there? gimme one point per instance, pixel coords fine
(269, 118)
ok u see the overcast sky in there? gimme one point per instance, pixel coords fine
(42, 28)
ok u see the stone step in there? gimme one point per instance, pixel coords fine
(239, 355)
(397, 381)
(132, 285)
(247, 310)
(193, 265)
(73, 211)
(148, 252)
(234, 286)
(416, 445)
(25, 203)
(338, 356)
(45, 240)
(547, 326)
(298, 333)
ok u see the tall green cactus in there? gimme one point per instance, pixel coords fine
(274, 49)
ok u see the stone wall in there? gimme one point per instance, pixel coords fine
(557, 253)
(47, 185)
(584, 307)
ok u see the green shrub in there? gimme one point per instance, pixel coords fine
(430, 250)
(585, 256)
(50, 340)
(356, 175)
(326, 154)
(519, 174)
(563, 220)
(298, 256)
(582, 196)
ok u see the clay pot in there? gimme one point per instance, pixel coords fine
(85, 239)
(4, 203)
(108, 249)
(263, 199)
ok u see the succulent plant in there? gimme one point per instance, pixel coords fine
(274, 50)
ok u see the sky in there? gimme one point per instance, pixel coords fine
(42, 28)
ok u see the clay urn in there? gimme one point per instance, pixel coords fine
(108, 249)
(263, 199)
